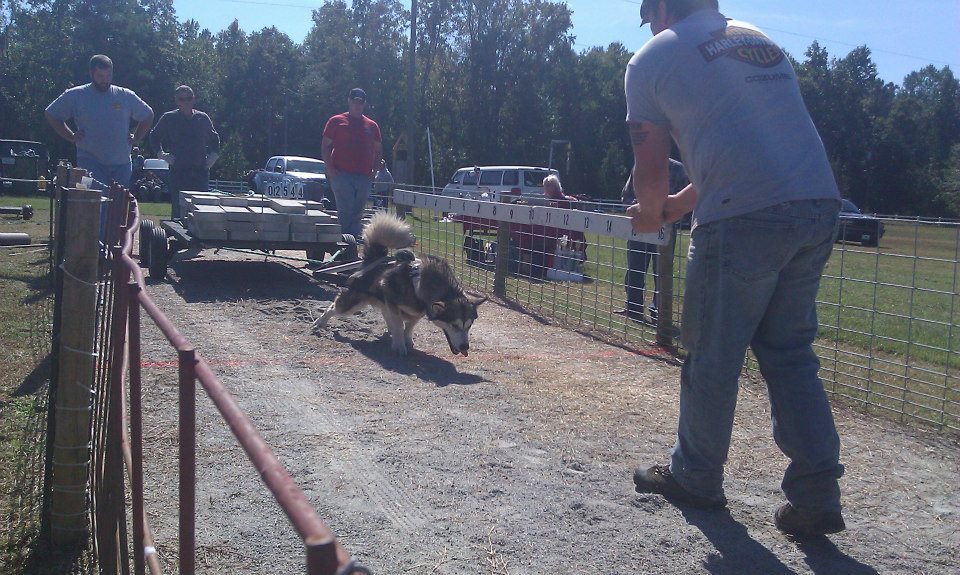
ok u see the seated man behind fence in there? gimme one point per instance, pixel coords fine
(539, 241)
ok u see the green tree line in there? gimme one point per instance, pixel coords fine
(496, 81)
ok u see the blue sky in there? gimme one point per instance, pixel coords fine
(903, 36)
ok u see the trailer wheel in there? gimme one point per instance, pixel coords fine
(350, 252)
(146, 237)
(159, 254)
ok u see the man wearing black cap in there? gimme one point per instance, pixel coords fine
(186, 139)
(765, 214)
(352, 149)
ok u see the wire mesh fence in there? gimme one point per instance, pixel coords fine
(229, 186)
(94, 499)
(82, 466)
(888, 315)
(887, 338)
(572, 276)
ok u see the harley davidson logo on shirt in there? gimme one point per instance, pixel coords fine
(747, 46)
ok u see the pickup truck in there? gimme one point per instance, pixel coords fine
(294, 178)
(21, 165)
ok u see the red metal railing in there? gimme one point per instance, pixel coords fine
(323, 553)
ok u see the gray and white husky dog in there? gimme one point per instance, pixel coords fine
(405, 288)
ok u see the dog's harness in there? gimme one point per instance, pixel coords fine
(401, 256)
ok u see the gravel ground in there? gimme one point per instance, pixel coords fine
(516, 459)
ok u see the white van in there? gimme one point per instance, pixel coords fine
(472, 183)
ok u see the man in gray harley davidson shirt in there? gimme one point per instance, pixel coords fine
(765, 206)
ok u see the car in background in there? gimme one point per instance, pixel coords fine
(473, 182)
(294, 178)
(856, 226)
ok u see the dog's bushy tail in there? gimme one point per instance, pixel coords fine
(386, 231)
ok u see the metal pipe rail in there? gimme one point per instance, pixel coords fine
(324, 554)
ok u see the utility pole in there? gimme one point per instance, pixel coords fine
(411, 95)
(269, 117)
(561, 142)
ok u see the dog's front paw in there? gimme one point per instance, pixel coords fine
(324, 318)
(400, 347)
(409, 342)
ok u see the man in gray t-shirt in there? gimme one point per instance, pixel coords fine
(765, 218)
(102, 114)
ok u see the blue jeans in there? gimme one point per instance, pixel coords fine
(351, 192)
(752, 280)
(639, 256)
(105, 174)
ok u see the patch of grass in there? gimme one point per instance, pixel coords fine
(23, 271)
(155, 210)
(26, 315)
(900, 299)
(888, 313)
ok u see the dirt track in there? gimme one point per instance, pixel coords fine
(514, 460)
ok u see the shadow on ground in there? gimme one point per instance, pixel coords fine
(208, 280)
(738, 552)
(425, 366)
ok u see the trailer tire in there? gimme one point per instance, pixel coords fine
(146, 238)
(159, 254)
(350, 252)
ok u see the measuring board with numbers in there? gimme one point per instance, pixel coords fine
(613, 225)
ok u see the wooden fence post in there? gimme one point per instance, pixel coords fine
(69, 518)
(502, 263)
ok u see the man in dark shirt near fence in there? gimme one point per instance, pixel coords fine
(186, 139)
(641, 255)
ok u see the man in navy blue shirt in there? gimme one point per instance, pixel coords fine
(640, 255)
(186, 139)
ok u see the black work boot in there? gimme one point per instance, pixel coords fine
(806, 525)
(658, 479)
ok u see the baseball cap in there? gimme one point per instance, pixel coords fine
(358, 94)
(645, 8)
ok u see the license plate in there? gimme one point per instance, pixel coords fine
(285, 190)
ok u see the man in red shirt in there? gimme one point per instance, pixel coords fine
(352, 149)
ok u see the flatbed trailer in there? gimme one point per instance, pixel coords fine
(160, 244)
